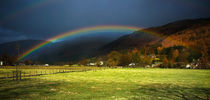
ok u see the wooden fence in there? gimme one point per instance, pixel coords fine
(20, 74)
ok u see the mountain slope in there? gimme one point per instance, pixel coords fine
(176, 33)
(72, 50)
(17, 47)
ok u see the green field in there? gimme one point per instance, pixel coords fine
(109, 84)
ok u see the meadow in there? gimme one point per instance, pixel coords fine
(112, 84)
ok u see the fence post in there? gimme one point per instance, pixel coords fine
(13, 75)
(16, 75)
(20, 75)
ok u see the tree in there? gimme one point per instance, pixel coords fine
(165, 62)
(147, 60)
(159, 49)
(125, 60)
(113, 58)
(37, 62)
(28, 62)
(83, 62)
(172, 61)
(204, 58)
(183, 57)
(135, 56)
(175, 54)
(8, 60)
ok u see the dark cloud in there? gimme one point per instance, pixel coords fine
(7, 35)
(46, 18)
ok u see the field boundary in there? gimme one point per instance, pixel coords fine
(20, 73)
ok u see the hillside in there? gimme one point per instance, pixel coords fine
(183, 32)
(17, 47)
(72, 50)
(68, 50)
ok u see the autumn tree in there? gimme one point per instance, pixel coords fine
(204, 55)
(159, 49)
(146, 60)
(83, 62)
(113, 58)
(165, 62)
(135, 56)
(183, 56)
(125, 60)
(172, 61)
(175, 54)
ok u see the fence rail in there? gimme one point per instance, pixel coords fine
(23, 73)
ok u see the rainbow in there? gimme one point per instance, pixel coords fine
(92, 30)
(88, 30)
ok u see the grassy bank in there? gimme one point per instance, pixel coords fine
(112, 84)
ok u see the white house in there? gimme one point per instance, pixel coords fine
(91, 64)
(46, 64)
(188, 66)
(1, 63)
(101, 63)
(132, 64)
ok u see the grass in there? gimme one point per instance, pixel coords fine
(109, 84)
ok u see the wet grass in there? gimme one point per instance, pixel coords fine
(109, 84)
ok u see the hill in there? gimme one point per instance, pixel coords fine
(182, 32)
(17, 47)
(72, 50)
(67, 50)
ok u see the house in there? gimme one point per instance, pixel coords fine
(91, 64)
(46, 64)
(1, 63)
(188, 66)
(132, 64)
(101, 63)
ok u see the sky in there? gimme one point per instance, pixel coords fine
(42, 19)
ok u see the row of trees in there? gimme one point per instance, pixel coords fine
(8, 60)
(171, 57)
(134, 56)
(123, 58)
(12, 60)
(180, 56)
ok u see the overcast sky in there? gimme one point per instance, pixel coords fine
(41, 19)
